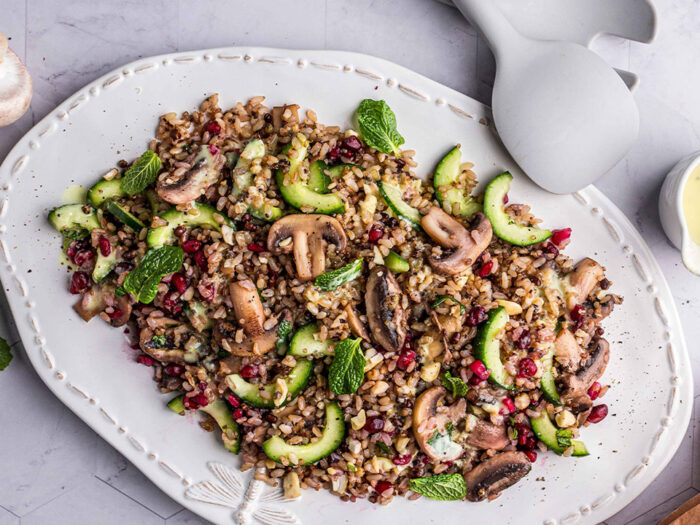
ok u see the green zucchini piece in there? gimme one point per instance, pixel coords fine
(104, 265)
(74, 221)
(446, 174)
(488, 347)
(503, 224)
(241, 175)
(331, 438)
(304, 344)
(546, 432)
(396, 263)
(297, 380)
(393, 197)
(205, 218)
(221, 413)
(318, 180)
(124, 215)
(339, 169)
(104, 191)
(549, 387)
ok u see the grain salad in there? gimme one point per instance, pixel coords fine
(340, 319)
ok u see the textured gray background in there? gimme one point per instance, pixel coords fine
(53, 468)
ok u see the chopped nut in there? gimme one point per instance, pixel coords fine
(339, 484)
(282, 390)
(511, 307)
(401, 444)
(379, 388)
(359, 420)
(291, 486)
(522, 401)
(565, 419)
(429, 373)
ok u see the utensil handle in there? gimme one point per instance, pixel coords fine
(488, 20)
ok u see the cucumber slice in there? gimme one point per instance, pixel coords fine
(304, 344)
(296, 381)
(105, 190)
(104, 265)
(74, 221)
(266, 212)
(318, 180)
(124, 215)
(221, 413)
(546, 432)
(488, 347)
(242, 177)
(339, 169)
(333, 433)
(396, 263)
(549, 387)
(206, 217)
(502, 223)
(393, 197)
(444, 180)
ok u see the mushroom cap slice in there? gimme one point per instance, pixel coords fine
(486, 436)
(124, 306)
(385, 314)
(430, 420)
(357, 327)
(590, 372)
(90, 304)
(247, 306)
(309, 235)
(566, 350)
(255, 345)
(194, 182)
(164, 355)
(450, 233)
(582, 279)
(15, 85)
(490, 478)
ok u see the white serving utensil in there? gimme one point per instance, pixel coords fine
(563, 113)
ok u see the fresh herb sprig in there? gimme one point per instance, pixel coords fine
(143, 280)
(347, 371)
(141, 173)
(329, 281)
(443, 487)
(377, 125)
(5, 354)
(458, 387)
(442, 298)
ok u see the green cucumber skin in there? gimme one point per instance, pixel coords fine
(332, 436)
(299, 195)
(545, 431)
(105, 190)
(488, 348)
(72, 217)
(318, 180)
(445, 175)
(502, 224)
(219, 410)
(398, 205)
(104, 265)
(303, 368)
(165, 234)
(395, 263)
(303, 340)
(124, 216)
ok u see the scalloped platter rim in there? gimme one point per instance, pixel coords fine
(115, 116)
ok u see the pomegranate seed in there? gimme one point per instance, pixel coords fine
(74, 247)
(405, 359)
(402, 460)
(191, 246)
(352, 143)
(334, 153)
(559, 236)
(209, 293)
(213, 149)
(505, 199)
(578, 312)
(171, 302)
(530, 443)
(594, 391)
(375, 233)
(476, 316)
(383, 486)
(200, 399)
(179, 282)
(551, 249)
(201, 261)
(531, 455)
(525, 340)
(105, 246)
(145, 360)
(508, 405)
(237, 413)
(475, 380)
(174, 370)
(524, 433)
(255, 247)
(527, 368)
(234, 401)
(374, 424)
(83, 257)
(116, 314)
(598, 413)
(213, 127)
(79, 282)
(485, 269)
(479, 369)
(249, 371)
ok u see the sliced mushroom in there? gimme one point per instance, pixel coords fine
(385, 314)
(579, 403)
(186, 187)
(15, 85)
(491, 477)
(449, 233)
(164, 355)
(485, 435)
(582, 280)
(123, 305)
(247, 306)
(430, 424)
(90, 304)
(357, 327)
(308, 235)
(567, 351)
(590, 372)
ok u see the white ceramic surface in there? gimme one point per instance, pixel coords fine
(672, 214)
(562, 112)
(98, 381)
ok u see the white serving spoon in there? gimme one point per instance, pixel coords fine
(563, 113)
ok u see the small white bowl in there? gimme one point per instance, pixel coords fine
(671, 211)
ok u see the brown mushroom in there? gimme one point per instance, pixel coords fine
(449, 233)
(385, 313)
(308, 235)
(485, 435)
(357, 327)
(251, 317)
(567, 351)
(162, 354)
(582, 280)
(430, 424)
(121, 305)
(90, 304)
(181, 188)
(589, 373)
(490, 478)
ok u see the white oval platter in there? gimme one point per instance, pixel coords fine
(91, 369)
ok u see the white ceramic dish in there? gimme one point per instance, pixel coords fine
(92, 372)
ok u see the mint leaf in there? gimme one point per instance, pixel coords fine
(347, 371)
(158, 341)
(141, 173)
(283, 331)
(143, 280)
(458, 387)
(564, 438)
(443, 487)
(5, 354)
(383, 447)
(442, 298)
(329, 281)
(378, 126)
